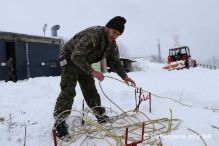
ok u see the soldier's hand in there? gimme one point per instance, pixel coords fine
(98, 75)
(127, 80)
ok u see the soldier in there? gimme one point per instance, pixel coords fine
(10, 70)
(77, 55)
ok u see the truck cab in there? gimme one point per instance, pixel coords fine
(179, 53)
(179, 58)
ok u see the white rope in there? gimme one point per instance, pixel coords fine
(116, 129)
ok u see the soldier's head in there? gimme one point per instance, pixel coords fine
(115, 27)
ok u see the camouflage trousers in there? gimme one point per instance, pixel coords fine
(70, 75)
(10, 76)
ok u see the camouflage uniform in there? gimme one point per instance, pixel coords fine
(10, 71)
(86, 47)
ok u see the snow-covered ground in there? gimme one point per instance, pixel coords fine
(31, 103)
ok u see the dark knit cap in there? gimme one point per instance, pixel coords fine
(117, 23)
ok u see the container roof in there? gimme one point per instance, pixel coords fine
(10, 36)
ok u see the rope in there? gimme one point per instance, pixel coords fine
(199, 136)
(111, 100)
(215, 127)
(155, 95)
(115, 130)
(165, 97)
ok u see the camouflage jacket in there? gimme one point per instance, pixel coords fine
(9, 65)
(90, 46)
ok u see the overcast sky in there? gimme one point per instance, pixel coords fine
(192, 22)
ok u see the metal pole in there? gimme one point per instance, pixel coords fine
(27, 58)
(54, 136)
(82, 120)
(159, 51)
(25, 135)
(149, 102)
(136, 90)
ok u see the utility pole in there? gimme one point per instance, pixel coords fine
(159, 51)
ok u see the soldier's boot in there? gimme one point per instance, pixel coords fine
(61, 129)
(102, 118)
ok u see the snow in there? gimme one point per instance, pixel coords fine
(31, 103)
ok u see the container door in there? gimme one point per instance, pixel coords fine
(43, 59)
(52, 60)
(2, 60)
(37, 59)
(21, 60)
